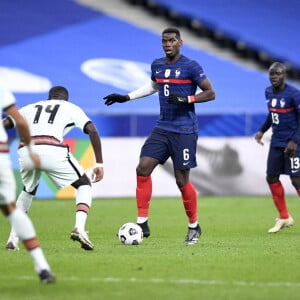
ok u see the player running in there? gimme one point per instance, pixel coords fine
(176, 79)
(49, 120)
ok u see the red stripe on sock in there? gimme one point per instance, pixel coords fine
(82, 207)
(31, 244)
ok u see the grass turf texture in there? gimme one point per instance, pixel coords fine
(235, 258)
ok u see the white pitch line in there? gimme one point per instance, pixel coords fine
(183, 281)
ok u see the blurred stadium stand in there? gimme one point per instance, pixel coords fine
(52, 40)
(263, 31)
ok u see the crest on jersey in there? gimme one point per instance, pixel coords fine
(177, 73)
(282, 102)
(167, 73)
(273, 102)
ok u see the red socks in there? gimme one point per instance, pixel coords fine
(279, 199)
(189, 197)
(143, 195)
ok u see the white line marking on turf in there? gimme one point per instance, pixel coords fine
(183, 281)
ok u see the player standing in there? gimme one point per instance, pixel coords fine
(176, 79)
(16, 217)
(283, 101)
(49, 120)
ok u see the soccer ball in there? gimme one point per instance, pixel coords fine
(130, 234)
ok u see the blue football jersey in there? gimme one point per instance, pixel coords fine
(180, 78)
(284, 109)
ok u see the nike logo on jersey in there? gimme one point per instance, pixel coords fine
(186, 163)
(157, 72)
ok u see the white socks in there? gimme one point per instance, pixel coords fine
(83, 196)
(25, 231)
(23, 203)
(193, 225)
(141, 220)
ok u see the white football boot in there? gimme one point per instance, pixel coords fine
(82, 238)
(282, 223)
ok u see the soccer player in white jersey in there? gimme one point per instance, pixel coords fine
(16, 217)
(49, 120)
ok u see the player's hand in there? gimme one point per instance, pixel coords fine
(97, 174)
(113, 98)
(179, 99)
(258, 137)
(290, 149)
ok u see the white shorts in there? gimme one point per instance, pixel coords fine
(7, 180)
(56, 161)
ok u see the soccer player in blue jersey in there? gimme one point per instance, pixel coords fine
(283, 101)
(176, 79)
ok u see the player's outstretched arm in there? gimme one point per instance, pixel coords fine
(148, 89)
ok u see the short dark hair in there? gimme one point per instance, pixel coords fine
(279, 65)
(172, 30)
(59, 93)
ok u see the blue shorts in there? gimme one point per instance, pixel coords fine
(278, 163)
(162, 144)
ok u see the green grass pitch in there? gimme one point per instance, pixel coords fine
(235, 258)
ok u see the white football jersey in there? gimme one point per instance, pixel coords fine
(53, 118)
(6, 100)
